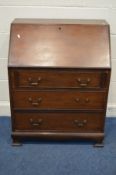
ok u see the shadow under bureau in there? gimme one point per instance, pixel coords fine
(59, 75)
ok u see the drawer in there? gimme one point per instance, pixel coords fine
(78, 122)
(39, 79)
(62, 99)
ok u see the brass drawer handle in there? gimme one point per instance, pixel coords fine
(35, 103)
(80, 123)
(83, 83)
(77, 100)
(36, 83)
(87, 100)
(36, 123)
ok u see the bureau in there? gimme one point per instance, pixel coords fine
(59, 75)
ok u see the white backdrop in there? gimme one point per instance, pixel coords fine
(87, 9)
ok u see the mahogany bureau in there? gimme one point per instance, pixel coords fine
(59, 75)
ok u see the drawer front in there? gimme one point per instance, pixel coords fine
(78, 122)
(58, 100)
(38, 79)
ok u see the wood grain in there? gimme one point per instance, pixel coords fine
(59, 45)
(59, 77)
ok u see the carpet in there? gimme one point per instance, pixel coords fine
(57, 158)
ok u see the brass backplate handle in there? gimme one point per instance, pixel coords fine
(87, 100)
(35, 102)
(83, 83)
(77, 100)
(34, 83)
(80, 123)
(35, 123)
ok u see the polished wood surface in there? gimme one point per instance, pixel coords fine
(59, 75)
(59, 45)
(62, 99)
(78, 122)
(40, 79)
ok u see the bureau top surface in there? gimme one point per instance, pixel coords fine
(59, 43)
